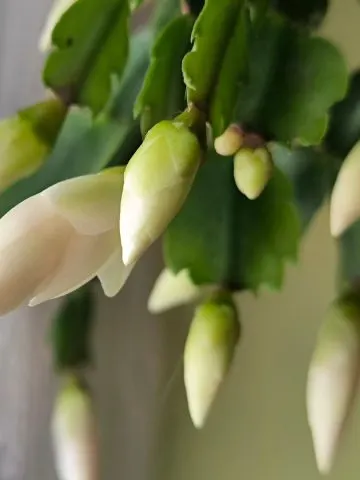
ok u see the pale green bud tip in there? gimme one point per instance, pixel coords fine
(25, 140)
(345, 198)
(333, 377)
(230, 141)
(209, 351)
(252, 171)
(157, 181)
(74, 433)
(173, 290)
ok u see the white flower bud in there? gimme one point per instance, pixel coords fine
(209, 352)
(26, 139)
(157, 181)
(173, 290)
(230, 141)
(74, 433)
(252, 171)
(333, 377)
(345, 197)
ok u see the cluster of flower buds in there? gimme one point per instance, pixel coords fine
(58, 240)
(74, 432)
(334, 376)
(252, 163)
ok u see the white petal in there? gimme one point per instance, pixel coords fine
(173, 290)
(114, 274)
(345, 197)
(84, 257)
(143, 219)
(330, 392)
(58, 9)
(25, 257)
(91, 203)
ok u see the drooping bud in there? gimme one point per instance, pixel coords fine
(173, 290)
(230, 141)
(333, 377)
(157, 181)
(74, 433)
(252, 171)
(345, 198)
(26, 138)
(209, 351)
(58, 9)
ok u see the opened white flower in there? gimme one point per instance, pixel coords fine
(56, 241)
(74, 433)
(58, 9)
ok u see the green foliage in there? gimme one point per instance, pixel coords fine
(71, 329)
(163, 93)
(224, 238)
(232, 75)
(294, 79)
(91, 43)
(349, 250)
(310, 172)
(304, 12)
(211, 32)
(344, 128)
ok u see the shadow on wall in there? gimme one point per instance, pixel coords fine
(257, 429)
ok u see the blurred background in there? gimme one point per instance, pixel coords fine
(257, 429)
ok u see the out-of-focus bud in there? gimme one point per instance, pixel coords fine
(58, 9)
(26, 138)
(230, 141)
(157, 181)
(74, 433)
(173, 290)
(209, 351)
(345, 198)
(252, 171)
(333, 377)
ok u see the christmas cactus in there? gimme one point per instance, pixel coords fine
(220, 127)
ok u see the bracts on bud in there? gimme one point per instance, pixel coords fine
(209, 351)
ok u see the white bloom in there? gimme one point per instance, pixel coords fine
(173, 290)
(56, 241)
(74, 433)
(58, 9)
(345, 197)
